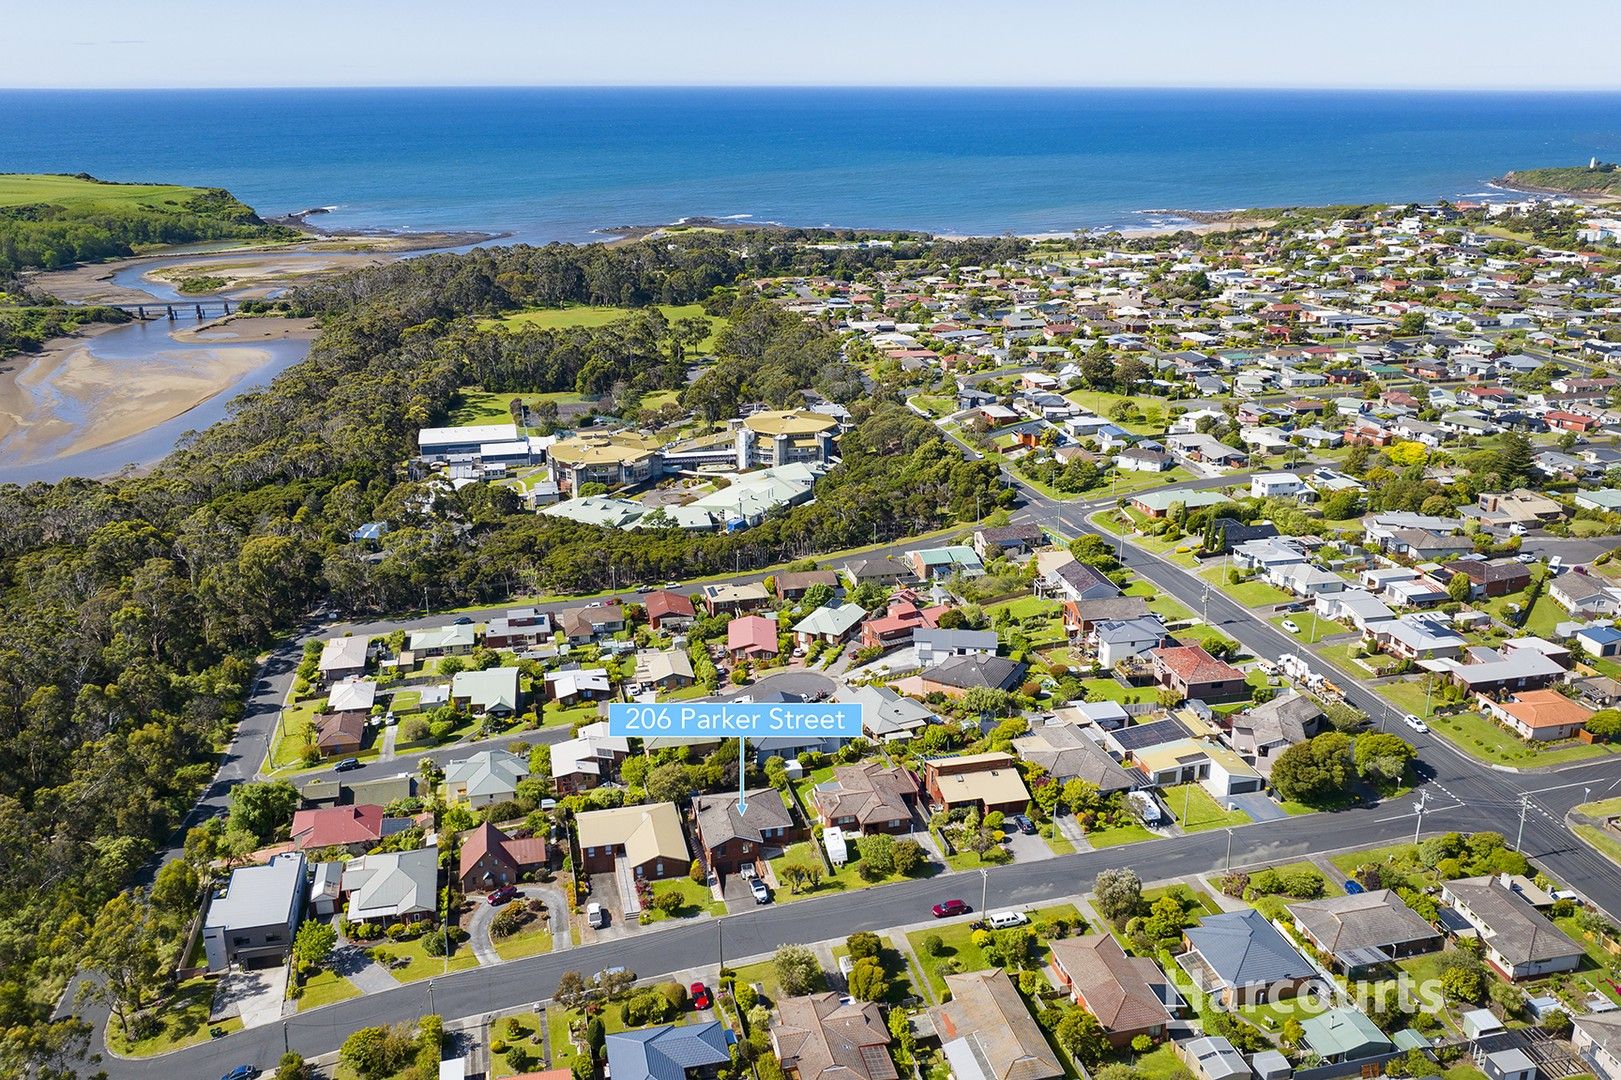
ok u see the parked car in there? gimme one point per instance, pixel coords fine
(947, 908)
(1415, 723)
(463, 621)
(1024, 824)
(242, 1072)
(347, 764)
(502, 895)
(595, 916)
(762, 895)
(1004, 920)
(1290, 625)
(700, 996)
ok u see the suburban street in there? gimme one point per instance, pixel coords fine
(1459, 793)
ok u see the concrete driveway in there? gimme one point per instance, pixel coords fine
(1027, 847)
(254, 994)
(1258, 805)
(605, 891)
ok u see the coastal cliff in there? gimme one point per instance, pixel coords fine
(1595, 178)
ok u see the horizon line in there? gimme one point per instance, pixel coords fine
(1231, 87)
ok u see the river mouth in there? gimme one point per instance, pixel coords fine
(124, 396)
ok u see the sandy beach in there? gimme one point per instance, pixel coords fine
(249, 273)
(67, 399)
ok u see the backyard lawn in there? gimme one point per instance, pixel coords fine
(1110, 690)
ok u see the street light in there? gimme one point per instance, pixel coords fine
(984, 888)
(430, 997)
(1418, 808)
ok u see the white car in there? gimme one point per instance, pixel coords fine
(595, 917)
(762, 895)
(1290, 625)
(1415, 723)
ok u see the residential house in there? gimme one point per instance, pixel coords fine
(352, 695)
(1584, 594)
(829, 1037)
(1539, 715)
(1116, 640)
(1358, 607)
(340, 734)
(453, 639)
(1278, 485)
(1080, 616)
(253, 919)
(867, 798)
(1600, 640)
(1521, 506)
(1491, 577)
(489, 776)
(1598, 1039)
(1485, 671)
(831, 623)
(1242, 959)
(663, 669)
(1519, 942)
(727, 599)
(1229, 774)
(397, 886)
(353, 828)
(1008, 540)
(935, 645)
(1419, 637)
(669, 611)
(885, 715)
(1212, 1058)
(1259, 734)
(957, 676)
(1194, 673)
(794, 584)
(583, 625)
(648, 840)
(1169, 763)
(1364, 930)
(898, 622)
(937, 564)
(684, 1052)
(1342, 1035)
(343, 658)
(1059, 574)
(1157, 503)
(585, 761)
(985, 781)
(572, 685)
(884, 571)
(751, 637)
(1127, 994)
(1065, 753)
(490, 858)
(733, 833)
(492, 692)
(987, 1033)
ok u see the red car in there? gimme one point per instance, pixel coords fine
(700, 996)
(947, 908)
(503, 894)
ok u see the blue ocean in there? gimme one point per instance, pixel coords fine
(560, 164)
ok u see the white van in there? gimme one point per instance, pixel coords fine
(1006, 920)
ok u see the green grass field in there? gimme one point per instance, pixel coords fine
(1196, 811)
(25, 189)
(557, 318)
(326, 988)
(1249, 593)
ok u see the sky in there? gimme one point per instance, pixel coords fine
(1395, 44)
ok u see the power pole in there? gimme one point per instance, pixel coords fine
(1418, 807)
(1525, 802)
(984, 888)
(1229, 851)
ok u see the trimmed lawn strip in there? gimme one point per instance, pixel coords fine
(326, 988)
(1120, 834)
(1202, 812)
(419, 965)
(530, 941)
(696, 900)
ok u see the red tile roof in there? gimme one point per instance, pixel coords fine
(1193, 665)
(337, 826)
(665, 603)
(751, 633)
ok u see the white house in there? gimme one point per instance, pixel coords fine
(1275, 485)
